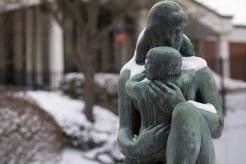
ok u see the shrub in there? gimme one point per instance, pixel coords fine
(97, 140)
(105, 88)
(27, 133)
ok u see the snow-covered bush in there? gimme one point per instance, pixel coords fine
(97, 140)
(73, 85)
(27, 133)
(105, 87)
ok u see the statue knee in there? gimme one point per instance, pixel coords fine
(185, 111)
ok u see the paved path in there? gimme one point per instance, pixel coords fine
(231, 147)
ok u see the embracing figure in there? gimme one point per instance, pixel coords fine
(169, 106)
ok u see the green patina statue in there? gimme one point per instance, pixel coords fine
(169, 105)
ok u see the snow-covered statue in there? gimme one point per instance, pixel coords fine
(169, 106)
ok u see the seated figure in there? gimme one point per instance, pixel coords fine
(163, 65)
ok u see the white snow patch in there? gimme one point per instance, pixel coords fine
(145, 80)
(193, 62)
(133, 67)
(229, 83)
(65, 110)
(105, 158)
(207, 107)
(72, 156)
(188, 63)
(74, 75)
(69, 115)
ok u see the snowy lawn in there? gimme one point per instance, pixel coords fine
(69, 115)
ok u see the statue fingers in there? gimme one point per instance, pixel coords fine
(173, 86)
(151, 92)
(163, 131)
(162, 86)
(149, 128)
(156, 89)
(157, 128)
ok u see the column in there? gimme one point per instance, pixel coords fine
(29, 46)
(56, 54)
(224, 53)
(39, 59)
(1, 50)
(18, 48)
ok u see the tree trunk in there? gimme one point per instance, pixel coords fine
(92, 47)
(90, 86)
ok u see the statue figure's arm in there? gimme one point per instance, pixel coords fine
(208, 93)
(130, 125)
(126, 134)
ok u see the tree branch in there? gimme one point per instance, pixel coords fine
(55, 11)
(74, 9)
(120, 12)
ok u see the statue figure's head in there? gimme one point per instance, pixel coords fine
(163, 63)
(166, 21)
(167, 13)
(165, 24)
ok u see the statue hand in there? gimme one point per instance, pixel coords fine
(153, 139)
(171, 92)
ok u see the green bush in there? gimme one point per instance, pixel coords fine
(27, 133)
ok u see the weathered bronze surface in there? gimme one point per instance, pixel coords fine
(158, 121)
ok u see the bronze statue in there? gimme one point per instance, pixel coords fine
(173, 116)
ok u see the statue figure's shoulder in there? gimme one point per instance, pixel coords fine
(205, 74)
(193, 63)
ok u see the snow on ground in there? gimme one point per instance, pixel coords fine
(69, 115)
(65, 110)
(229, 83)
(72, 156)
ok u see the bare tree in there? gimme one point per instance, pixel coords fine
(86, 15)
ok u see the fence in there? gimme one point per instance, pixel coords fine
(34, 81)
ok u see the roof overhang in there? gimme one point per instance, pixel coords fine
(213, 22)
(238, 35)
(6, 6)
(210, 19)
